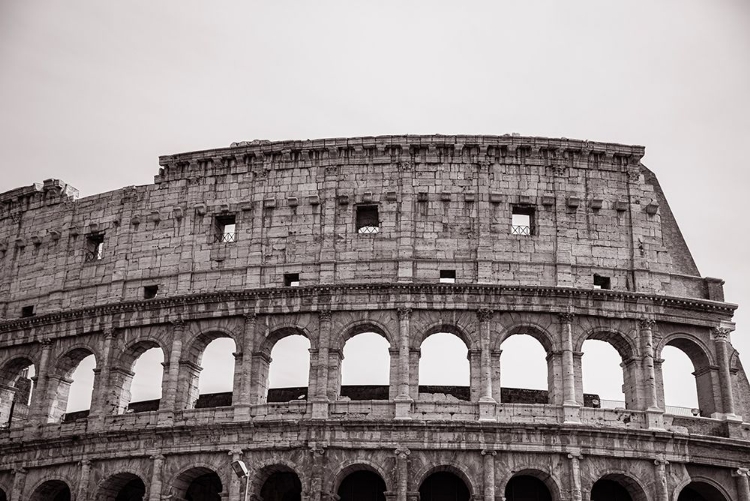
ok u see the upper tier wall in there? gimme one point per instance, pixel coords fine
(443, 203)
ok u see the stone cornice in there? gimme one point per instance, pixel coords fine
(474, 296)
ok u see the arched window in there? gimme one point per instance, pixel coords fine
(700, 491)
(122, 487)
(16, 391)
(362, 485)
(288, 372)
(198, 484)
(281, 485)
(146, 385)
(603, 375)
(81, 387)
(51, 490)
(523, 366)
(526, 487)
(444, 366)
(680, 392)
(216, 378)
(365, 368)
(444, 486)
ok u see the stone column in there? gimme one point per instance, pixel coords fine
(403, 400)
(19, 482)
(324, 342)
(235, 483)
(571, 407)
(402, 473)
(496, 381)
(486, 402)
(654, 415)
(318, 469)
(575, 476)
(154, 490)
(488, 458)
(662, 489)
(242, 404)
(40, 400)
(169, 398)
(720, 336)
(83, 482)
(102, 388)
(743, 483)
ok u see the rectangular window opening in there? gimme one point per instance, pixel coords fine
(27, 311)
(522, 221)
(368, 220)
(601, 282)
(94, 247)
(225, 228)
(291, 279)
(150, 291)
(447, 276)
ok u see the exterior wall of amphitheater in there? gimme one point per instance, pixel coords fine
(442, 203)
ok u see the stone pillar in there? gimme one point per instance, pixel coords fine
(570, 405)
(654, 415)
(488, 458)
(102, 389)
(235, 483)
(83, 482)
(486, 402)
(166, 411)
(19, 482)
(402, 473)
(335, 358)
(242, 401)
(414, 355)
(575, 476)
(496, 381)
(662, 489)
(743, 483)
(40, 399)
(318, 469)
(324, 342)
(393, 381)
(403, 400)
(720, 337)
(154, 490)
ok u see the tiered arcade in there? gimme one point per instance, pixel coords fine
(482, 237)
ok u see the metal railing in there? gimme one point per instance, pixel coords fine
(520, 230)
(228, 237)
(93, 255)
(368, 229)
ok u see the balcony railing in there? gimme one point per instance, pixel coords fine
(520, 230)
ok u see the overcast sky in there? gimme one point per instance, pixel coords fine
(93, 92)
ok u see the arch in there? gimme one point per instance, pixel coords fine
(603, 372)
(280, 333)
(51, 490)
(351, 466)
(183, 481)
(122, 486)
(620, 341)
(448, 328)
(63, 371)
(366, 360)
(362, 326)
(444, 484)
(694, 348)
(539, 474)
(3, 496)
(456, 470)
(547, 340)
(135, 349)
(11, 369)
(16, 387)
(69, 360)
(199, 341)
(701, 489)
(629, 483)
(283, 473)
(123, 372)
(703, 369)
(264, 469)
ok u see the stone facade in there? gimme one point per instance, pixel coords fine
(333, 238)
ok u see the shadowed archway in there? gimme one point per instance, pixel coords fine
(700, 491)
(443, 486)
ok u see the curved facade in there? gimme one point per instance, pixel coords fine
(482, 237)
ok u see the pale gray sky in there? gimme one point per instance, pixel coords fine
(93, 92)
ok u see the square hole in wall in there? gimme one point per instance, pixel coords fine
(225, 226)
(368, 220)
(601, 282)
(522, 220)
(447, 276)
(291, 279)
(27, 311)
(150, 291)
(94, 247)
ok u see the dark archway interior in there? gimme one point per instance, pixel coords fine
(609, 490)
(207, 487)
(700, 491)
(282, 486)
(53, 490)
(362, 485)
(134, 490)
(443, 486)
(3, 497)
(526, 488)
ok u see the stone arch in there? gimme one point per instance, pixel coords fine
(279, 333)
(546, 477)
(552, 358)
(361, 326)
(455, 469)
(461, 333)
(353, 465)
(626, 348)
(14, 391)
(181, 481)
(703, 362)
(265, 470)
(548, 341)
(61, 382)
(122, 373)
(624, 344)
(631, 484)
(49, 488)
(199, 340)
(188, 390)
(109, 488)
(353, 329)
(700, 479)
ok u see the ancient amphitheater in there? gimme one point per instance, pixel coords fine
(482, 237)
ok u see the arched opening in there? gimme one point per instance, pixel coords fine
(366, 367)
(140, 379)
(609, 490)
(3, 497)
(16, 389)
(362, 485)
(51, 490)
(281, 486)
(210, 376)
(700, 491)
(602, 369)
(444, 367)
(288, 369)
(687, 379)
(72, 384)
(82, 386)
(526, 488)
(198, 484)
(444, 486)
(122, 487)
(524, 370)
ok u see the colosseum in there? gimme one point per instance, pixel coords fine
(478, 237)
